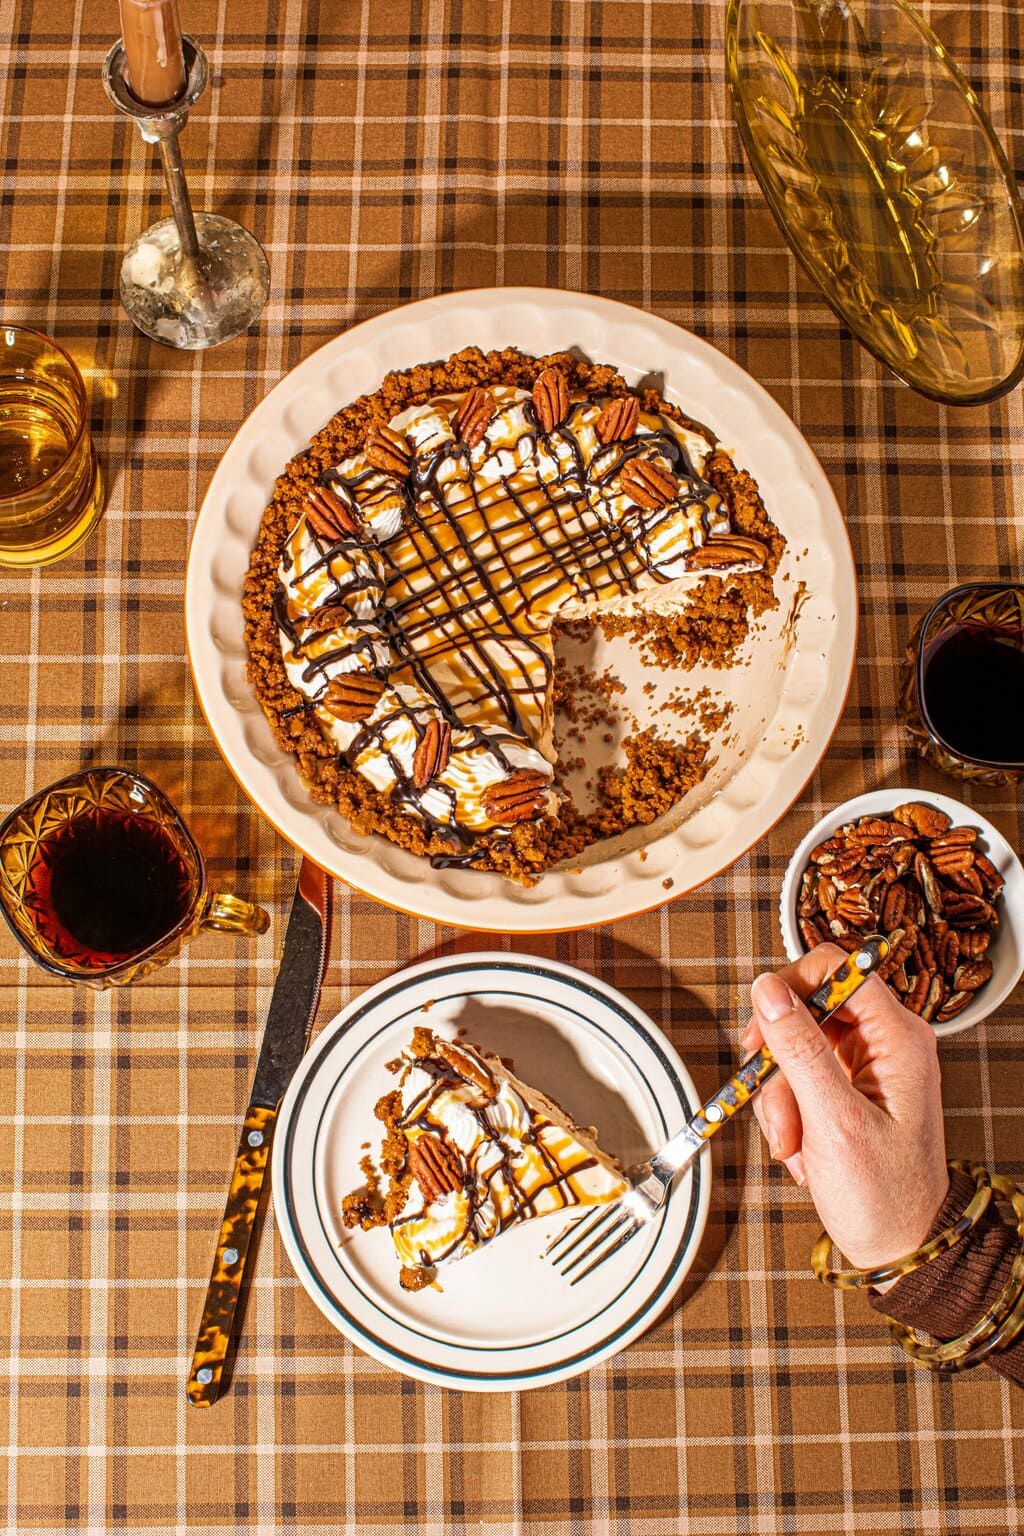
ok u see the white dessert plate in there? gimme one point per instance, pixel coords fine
(503, 1319)
(785, 695)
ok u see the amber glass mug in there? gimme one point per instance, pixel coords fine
(101, 881)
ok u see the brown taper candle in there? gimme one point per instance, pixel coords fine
(151, 30)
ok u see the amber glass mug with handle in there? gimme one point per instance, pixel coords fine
(101, 881)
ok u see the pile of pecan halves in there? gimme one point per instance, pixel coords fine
(921, 882)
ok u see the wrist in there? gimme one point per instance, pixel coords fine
(945, 1297)
(974, 1306)
(901, 1231)
(947, 1236)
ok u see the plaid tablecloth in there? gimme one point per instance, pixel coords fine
(382, 152)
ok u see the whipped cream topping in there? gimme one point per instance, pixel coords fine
(515, 1159)
(448, 593)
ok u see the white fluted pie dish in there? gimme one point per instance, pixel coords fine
(786, 695)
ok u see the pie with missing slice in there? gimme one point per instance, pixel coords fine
(414, 567)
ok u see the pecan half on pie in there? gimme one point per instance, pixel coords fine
(469, 1151)
(418, 578)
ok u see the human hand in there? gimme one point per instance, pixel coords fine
(855, 1110)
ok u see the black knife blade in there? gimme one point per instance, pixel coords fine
(296, 990)
(289, 1019)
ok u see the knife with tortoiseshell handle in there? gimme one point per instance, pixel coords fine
(292, 1010)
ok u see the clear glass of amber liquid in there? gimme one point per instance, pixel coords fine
(51, 489)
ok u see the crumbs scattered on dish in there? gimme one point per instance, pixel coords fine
(667, 885)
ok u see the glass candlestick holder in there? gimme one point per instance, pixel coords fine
(195, 279)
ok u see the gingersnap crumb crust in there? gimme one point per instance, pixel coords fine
(657, 772)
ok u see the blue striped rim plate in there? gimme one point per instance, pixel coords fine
(502, 1319)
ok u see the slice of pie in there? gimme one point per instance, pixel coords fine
(469, 1151)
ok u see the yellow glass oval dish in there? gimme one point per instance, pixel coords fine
(889, 183)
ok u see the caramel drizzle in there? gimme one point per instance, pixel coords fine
(560, 1179)
(444, 597)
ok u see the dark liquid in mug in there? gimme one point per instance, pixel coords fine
(973, 687)
(108, 885)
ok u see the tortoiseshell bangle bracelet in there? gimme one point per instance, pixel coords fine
(999, 1326)
(864, 1279)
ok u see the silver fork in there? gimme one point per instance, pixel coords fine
(610, 1227)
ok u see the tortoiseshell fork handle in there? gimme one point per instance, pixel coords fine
(834, 991)
(229, 1260)
(838, 988)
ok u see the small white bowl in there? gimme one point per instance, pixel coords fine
(1007, 949)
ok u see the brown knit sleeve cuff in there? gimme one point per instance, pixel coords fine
(947, 1297)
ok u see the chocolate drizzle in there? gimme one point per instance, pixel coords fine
(474, 579)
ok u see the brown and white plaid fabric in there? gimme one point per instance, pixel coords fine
(382, 152)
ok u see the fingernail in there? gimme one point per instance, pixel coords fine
(774, 1144)
(747, 1037)
(772, 998)
(795, 1164)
